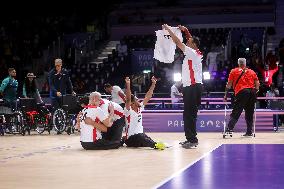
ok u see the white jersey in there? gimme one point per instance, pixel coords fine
(115, 95)
(174, 92)
(88, 132)
(191, 67)
(118, 110)
(134, 121)
(165, 47)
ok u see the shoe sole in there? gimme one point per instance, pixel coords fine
(247, 136)
(190, 145)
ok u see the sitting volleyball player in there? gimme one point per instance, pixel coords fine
(135, 137)
(114, 132)
(93, 121)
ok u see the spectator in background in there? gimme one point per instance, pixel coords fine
(280, 80)
(175, 94)
(281, 51)
(266, 81)
(273, 92)
(211, 61)
(9, 89)
(59, 83)
(117, 95)
(30, 89)
(79, 86)
(122, 49)
(271, 60)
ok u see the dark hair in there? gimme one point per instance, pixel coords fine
(30, 87)
(107, 85)
(196, 40)
(84, 100)
(11, 69)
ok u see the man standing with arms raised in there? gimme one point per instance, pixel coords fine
(192, 83)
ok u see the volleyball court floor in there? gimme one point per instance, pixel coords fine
(58, 161)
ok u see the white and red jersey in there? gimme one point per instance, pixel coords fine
(191, 67)
(118, 110)
(134, 121)
(115, 97)
(165, 47)
(88, 132)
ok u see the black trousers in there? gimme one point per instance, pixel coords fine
(192, 101)
(140, 140)
(56, 103)
(114, 133)
(101, 144)
(245, 99)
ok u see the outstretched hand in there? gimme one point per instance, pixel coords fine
(154, 80)
(166, 26)
(127, 80)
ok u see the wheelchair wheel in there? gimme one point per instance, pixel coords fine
(2, 129)
(59, 120)
(40, 125)
(17, 123)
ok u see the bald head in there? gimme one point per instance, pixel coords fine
(95, 98)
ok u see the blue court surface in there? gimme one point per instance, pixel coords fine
(232, 166)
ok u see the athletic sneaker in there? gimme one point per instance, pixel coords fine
(248, 135)
(229, 131)
(160, 146)
(122, 141)
(182, 143)
(187, 141)
(188, 145)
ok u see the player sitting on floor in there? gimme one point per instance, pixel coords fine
(93, 121)
(135, 137)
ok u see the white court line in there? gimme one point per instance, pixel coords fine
(183, 169)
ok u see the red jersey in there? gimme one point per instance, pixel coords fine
(246, 81)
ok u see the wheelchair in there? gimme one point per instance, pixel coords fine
(64, 118)
(36, 116)
(11, 122)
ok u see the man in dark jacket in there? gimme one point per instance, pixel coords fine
(59, 83)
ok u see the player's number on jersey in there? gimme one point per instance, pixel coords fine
(83, 116)
(167, 36)
(139, 118)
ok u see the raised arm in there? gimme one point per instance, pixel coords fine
(150, 92)
(174, 37)
(128, 93)
(186, 32)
